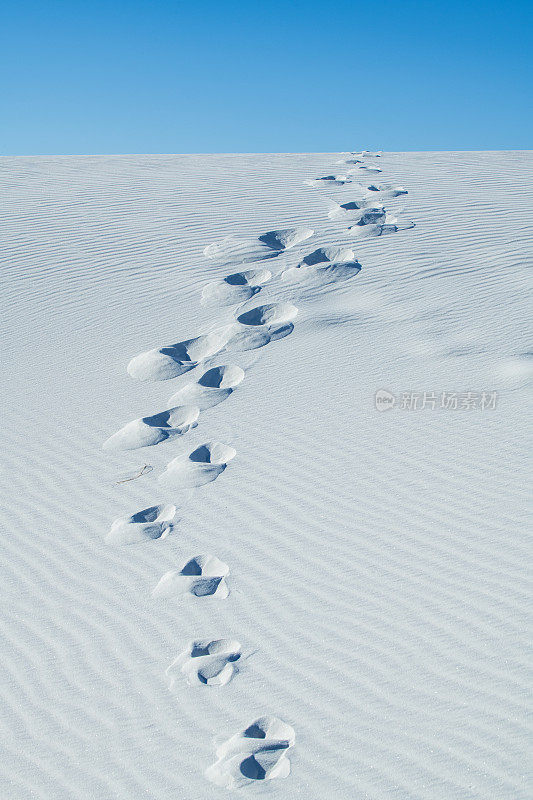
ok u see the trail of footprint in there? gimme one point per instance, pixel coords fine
(211, 388)
(257, 753)
(202, 466)
(148, 431)
(202, 576)
(155, 522)
(235, 288)
(206, 662)
(268, 245)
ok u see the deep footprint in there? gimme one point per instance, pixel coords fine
(286, 238)
(206, 663)
(152, 523)
(330, 180)
(324, 254)
(368, 167)
(268, 245)
(171, 361)
(270, 314)
(386, 190)
(257, 753)
(365, 196)
(236, 288)
(148, 431)
(201, 576)
(377, 221)
(200, 467)
(212, 387)
(322, 275)
(346, 210)
(174, 360)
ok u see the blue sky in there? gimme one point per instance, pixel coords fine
(172, 77)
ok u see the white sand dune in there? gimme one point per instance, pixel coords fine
(373, 641)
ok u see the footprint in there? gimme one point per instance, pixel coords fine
(174, 360)
(370, 167)
(377, 222)
(373, 193)
(331, 272)
(202, 576)
(368, 154)
(359, 159)
(268, 245)
(324, 254)
(371, 216)
(163, 363)
(270, 314)
(202, 466)
(256, 754)
(211, 663)
(331, 180)
(369, 196)
(152, 430)
(387, 190)
(236, 288)
(285, 238)
(346, 210)
(211, 389)
(246, 337)
(151, 523)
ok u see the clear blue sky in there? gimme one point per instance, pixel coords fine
(126, 76)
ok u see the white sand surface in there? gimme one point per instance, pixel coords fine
(371, 615)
